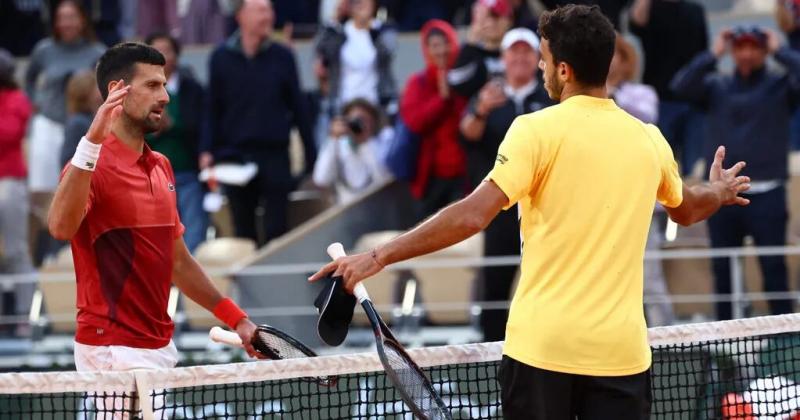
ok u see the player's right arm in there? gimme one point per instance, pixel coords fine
(723, 189)
(72, 195)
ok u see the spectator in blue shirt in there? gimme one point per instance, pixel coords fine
(749, 112)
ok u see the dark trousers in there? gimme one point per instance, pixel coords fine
(500, 238)
(439, 193)
(765, 220)
(269, 190)
(532, 394)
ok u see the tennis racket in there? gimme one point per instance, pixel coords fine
(273, 343)
(408, 379)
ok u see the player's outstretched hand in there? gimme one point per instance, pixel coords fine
(246, 330)
(108, 112)
(727, 182)
(353, 269)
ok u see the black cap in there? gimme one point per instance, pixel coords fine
(335, 307)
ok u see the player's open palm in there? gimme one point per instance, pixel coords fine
(729, 184)
(108, 112)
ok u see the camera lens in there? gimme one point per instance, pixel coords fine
(355, 125)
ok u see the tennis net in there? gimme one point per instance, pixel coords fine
(747, 369)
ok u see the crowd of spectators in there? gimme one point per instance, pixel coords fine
(456, 110)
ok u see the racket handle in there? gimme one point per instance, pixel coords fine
(360, 292)
(336, 251)
(218, 335)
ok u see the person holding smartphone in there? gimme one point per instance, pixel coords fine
(351, 160)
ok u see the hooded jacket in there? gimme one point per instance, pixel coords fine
(433, 118)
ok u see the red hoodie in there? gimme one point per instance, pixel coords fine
(15, 110)
(434, 118)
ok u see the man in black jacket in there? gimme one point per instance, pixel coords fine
(748, 111)
(254, 101)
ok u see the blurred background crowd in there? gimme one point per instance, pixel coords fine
(335, 97)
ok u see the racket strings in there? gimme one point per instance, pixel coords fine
(282, 348)
(414, 382)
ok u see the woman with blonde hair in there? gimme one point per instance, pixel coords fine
(83, 99)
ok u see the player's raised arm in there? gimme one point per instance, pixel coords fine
(72, 195)
(723, 189)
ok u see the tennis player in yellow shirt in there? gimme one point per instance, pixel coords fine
(585, 176)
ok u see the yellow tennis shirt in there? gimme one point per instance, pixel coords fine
(586, 176)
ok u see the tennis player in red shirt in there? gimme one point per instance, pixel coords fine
(116, 203)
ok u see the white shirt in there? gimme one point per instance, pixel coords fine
(350, 169)
(359, 72)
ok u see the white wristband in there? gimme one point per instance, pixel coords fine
(86, 155)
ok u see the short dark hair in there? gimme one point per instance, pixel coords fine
(153, 37)
(119, 62)
(582, 37)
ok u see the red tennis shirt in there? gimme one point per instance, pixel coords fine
(123, 250)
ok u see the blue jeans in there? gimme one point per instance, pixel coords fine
(190, 207)
(684, 128)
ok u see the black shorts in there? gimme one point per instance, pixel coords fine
(532, 394)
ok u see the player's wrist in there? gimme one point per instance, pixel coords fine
(376, 259)
(229, 313)
(87, 153)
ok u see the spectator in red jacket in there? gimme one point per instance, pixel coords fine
(433, 110)
(15, 111)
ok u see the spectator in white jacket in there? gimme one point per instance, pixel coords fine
(351, 159)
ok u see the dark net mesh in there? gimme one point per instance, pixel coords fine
(745, 378)
(99, 406)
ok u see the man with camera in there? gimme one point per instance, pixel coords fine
(351, 160)
(749, 111)
(483, 128)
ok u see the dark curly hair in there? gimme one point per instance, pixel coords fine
(582, 37)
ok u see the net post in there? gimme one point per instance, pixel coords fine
(737, 286)
(143, 388)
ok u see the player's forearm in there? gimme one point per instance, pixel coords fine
(699, 203)
(193, 282)
(450, 226)
(69, 203)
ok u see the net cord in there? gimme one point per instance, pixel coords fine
(144, 381)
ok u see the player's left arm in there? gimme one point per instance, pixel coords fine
(192, 281)
(450, 226)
